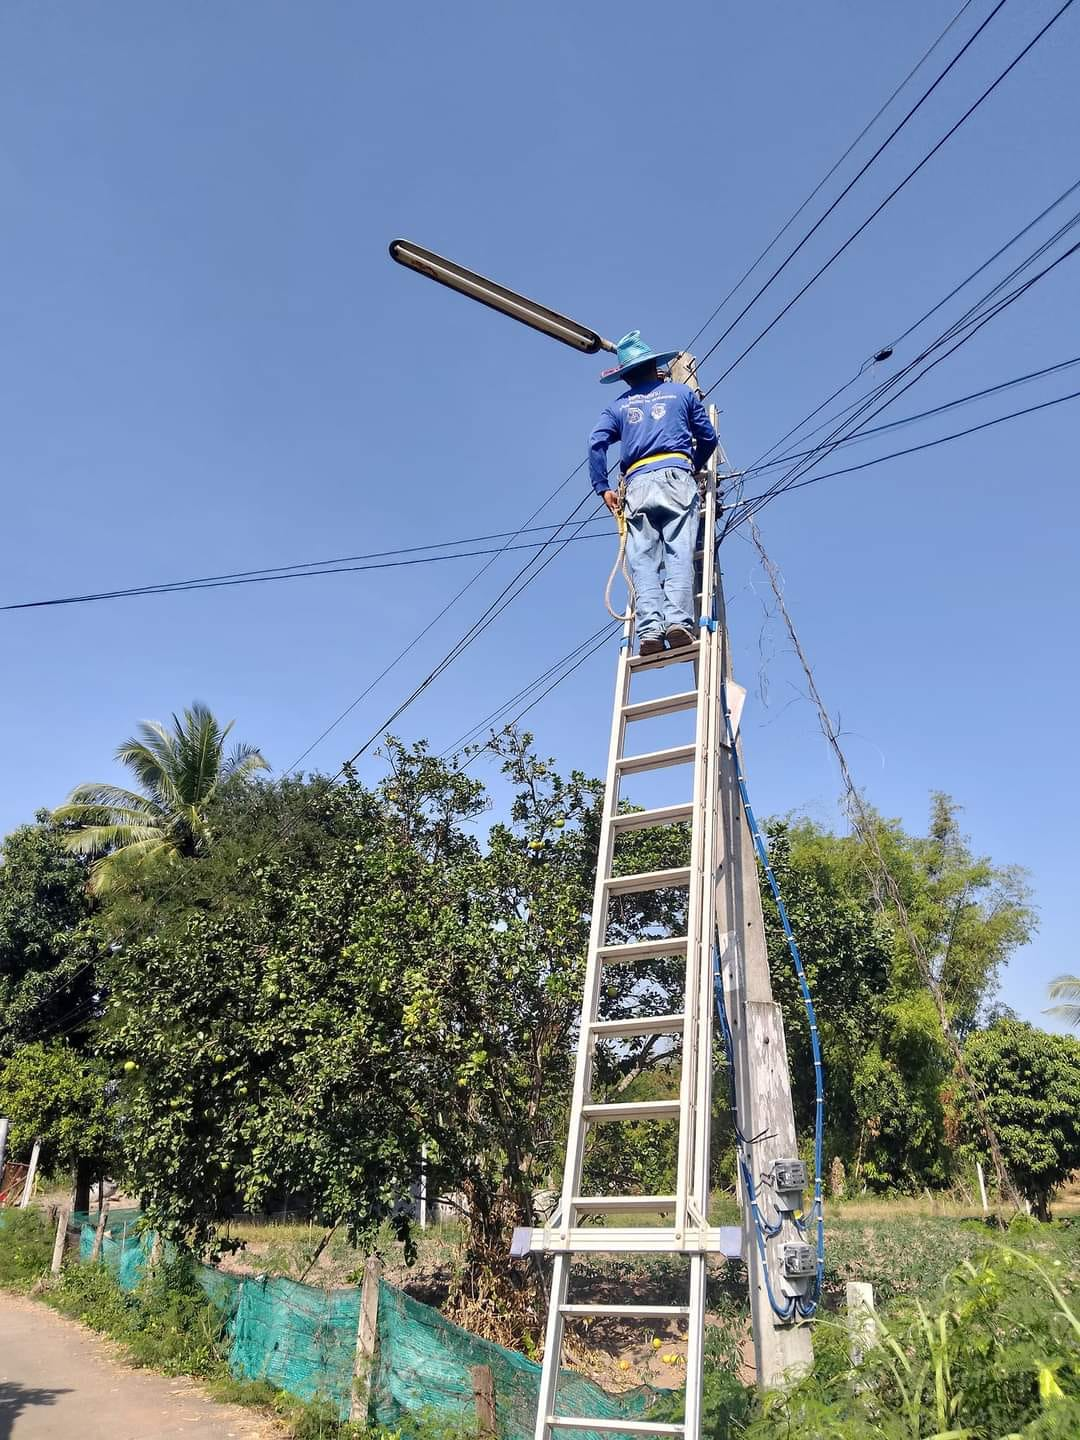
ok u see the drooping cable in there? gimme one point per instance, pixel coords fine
(863, 823)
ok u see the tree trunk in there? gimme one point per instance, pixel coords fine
(84, 1178)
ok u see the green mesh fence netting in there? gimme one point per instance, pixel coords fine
(124, 1248)
(424, 1362)
(303, 1340)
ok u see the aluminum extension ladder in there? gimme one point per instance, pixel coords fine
(685, 1229)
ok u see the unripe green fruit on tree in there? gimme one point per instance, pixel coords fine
(130, 1065)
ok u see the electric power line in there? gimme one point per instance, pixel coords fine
(858, 175)
(887, 350)
(865, 434)
(914, 449)
(985, 95)
(303, 570)
(829, 174)
(972, 321)
(468, 736)
(510, 724)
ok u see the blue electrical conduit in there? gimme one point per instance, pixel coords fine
(762, 1231)
(805, 1306)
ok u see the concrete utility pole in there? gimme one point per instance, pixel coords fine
(782, 1349)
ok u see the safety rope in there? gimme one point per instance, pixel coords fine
(620, 560)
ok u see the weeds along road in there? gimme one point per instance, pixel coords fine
(59, 1381)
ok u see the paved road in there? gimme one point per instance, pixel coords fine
(59, 1381)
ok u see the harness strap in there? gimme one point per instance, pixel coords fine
(652, 459)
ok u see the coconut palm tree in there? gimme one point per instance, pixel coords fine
(179, 771)
(1067, 988)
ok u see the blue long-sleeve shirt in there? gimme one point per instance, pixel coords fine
(659, 426)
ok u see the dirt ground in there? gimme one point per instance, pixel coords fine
(58, 1380)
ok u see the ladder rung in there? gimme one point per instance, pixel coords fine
(648, 880)
(618, 1204)
(629, 1312)
(666, 705)
(642, 950)
(656, 759)
(631, 1240)
(639, 1025)
(631, 1110)
(642, 819)
(616, 1427)
(664, 657)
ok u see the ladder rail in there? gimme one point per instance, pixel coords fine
(702, 1041)
(549, 1378)
(715, 870)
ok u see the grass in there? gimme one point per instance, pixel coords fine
(26, 1245)
(979, 1329)
(293, 1249)
(167, 1324)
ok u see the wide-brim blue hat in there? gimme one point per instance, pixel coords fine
(632, 352)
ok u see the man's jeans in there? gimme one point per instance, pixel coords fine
(661, 530)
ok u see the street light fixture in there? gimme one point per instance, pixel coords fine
(509, 302)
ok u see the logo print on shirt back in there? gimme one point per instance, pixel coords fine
(659, 411)
(634, 416)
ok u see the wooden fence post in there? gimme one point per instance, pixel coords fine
(99, 1234)
(367, 1335)
(483, 1386)
(61, 1239)
(31, 1175)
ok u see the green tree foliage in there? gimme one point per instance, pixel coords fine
(1066, 988)
(43, 904)
(886, 1059)
(1031, 1081)
(55, 1094)
(349, 976)
(179, 772)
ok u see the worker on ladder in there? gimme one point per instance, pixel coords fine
(666, 439)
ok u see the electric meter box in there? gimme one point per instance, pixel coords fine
(798, 1267)
(789, 1182)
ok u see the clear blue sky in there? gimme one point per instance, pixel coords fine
(209, 363)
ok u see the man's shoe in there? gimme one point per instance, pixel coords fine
(651, 645)
(678, 636)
